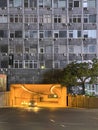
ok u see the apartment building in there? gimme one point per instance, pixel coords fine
(38, 35)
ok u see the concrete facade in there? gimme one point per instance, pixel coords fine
(39, 35)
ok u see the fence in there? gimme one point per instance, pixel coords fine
(82, 101)
(4, 99)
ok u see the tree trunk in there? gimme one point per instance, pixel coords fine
(83, 88)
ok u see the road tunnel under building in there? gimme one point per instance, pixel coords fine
(52, 95)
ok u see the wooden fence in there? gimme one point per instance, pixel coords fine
(82, 101)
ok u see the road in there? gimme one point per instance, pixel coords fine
(48, 119)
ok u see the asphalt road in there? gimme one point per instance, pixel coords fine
(48, 119)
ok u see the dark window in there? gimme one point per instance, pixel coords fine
(4, 64)
(11, 35)
(18, 34)
(56, 35)
(74, 20)
(33, 3)
(55, 20)
(76, 3)
(25, 3)
(85, 20)
(4, 48)
(3, 3)
(79, 33)
(3, 33)
(79, 20)
(62, 34)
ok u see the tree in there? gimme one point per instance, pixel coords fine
(76, 74)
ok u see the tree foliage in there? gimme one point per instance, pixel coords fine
(75, 74)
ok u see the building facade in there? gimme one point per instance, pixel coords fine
(38, 35)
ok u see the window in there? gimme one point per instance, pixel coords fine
(76, 18)
(41, 50)
(48, 3)
(41, 34)
(18, 64)
(26, 18)
(92, 33)
(18, 34)
(47, 18)
(33, 3)
(57, 19)
(26, 3)
(89, 33)
(70, 34)
(33, 34)
(3, 18)
(62, 34)
(3, 33)
(40, 3)
(85, 18)
(4, 48)
(16, 18)
(56, 34)
(60, 3)
(85, 4)
(48, 34)
(79, 33)
(3, 3)
(85, 33)
(92, 18)
(76, 3)
(33, 19)
(92, 48)
(92, 3)
(89, 3)
(19, 48)
(15, 3)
